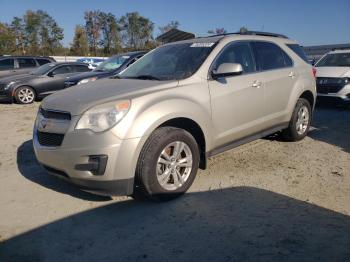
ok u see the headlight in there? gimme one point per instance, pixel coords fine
(9, 85)
(103, 117)
(86, 80)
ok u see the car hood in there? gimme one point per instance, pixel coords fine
(328, 71)
(79, 98)
(81, 76)
(17, 78)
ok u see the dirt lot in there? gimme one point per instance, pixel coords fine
(268, 200)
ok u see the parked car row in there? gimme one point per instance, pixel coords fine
(24, 85)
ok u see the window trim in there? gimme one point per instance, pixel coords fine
(274, 69)
(211, 67)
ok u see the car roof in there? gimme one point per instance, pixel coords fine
(69, 63)
(249, 35)
(19, 56)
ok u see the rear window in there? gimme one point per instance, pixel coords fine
(43, 61)
(270, 56)
(299, 51)
(6, 64)
(26, 62)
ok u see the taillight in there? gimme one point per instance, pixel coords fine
(314, 71)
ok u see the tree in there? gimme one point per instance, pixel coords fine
(37, 33)
(110, 41)
(217, 31)
(7, 39)
(136, 29)
(17, 27)
(80, 44)
(243, 30)
(168, 27)
(93, 29)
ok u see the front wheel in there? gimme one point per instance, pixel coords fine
(300, 122)
(25, 95)
(167, 165)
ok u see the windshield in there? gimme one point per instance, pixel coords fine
(340, 59)
(112, 63)
(170, 62)
(42, 70)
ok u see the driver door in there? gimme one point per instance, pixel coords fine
(237, 102)
(54, 81)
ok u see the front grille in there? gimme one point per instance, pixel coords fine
(50, 139)
(326, 85)
(55, 114)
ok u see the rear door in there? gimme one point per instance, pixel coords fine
(25, 65)
(278, 76)
(238, 101)
(7, 67)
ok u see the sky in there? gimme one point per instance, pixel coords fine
(310, 22)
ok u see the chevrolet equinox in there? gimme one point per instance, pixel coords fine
(148, 130)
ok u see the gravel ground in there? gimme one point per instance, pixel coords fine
(264, 201)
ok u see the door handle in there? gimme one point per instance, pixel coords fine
(291, 74)
(256, 84)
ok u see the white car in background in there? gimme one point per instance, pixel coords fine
(333, 76)
(92, 62)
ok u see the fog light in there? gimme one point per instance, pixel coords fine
(96, 165)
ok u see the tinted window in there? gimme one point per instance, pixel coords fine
(42, 70)
(340, 59)
(62, 70)
(299, 51)
(81, 68)
(26, 62)
(237, 53)
(6, 64)
(270, 56)
(43, 61)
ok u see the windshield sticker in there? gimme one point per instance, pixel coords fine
(202, 44)
(125, 56)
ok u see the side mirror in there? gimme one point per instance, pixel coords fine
(51, 74)
(227, 69)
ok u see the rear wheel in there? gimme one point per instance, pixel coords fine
(167, 165)
(300, 122)
(25, 95)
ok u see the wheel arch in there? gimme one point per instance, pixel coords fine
(23, 85)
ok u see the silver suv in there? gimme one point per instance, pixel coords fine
(148, 130)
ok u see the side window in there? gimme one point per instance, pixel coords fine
(26, 62)
(43, 61)
(81, 68)
(62, 70)
(270, 56)
(239, 52)
(6, 64)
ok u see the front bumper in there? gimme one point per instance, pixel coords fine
(77, 148)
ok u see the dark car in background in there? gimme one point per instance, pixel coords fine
(26, 88)
(108, 68)
(15, 65)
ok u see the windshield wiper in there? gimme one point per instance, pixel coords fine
(146, 77)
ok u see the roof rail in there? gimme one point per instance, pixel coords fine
(243, 32)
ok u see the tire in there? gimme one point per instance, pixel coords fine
(300, 122)
(25, 95)
(161, 173)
